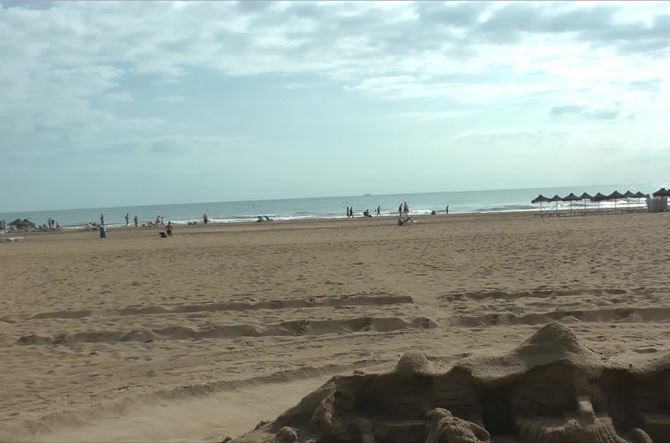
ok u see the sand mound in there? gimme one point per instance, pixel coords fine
(548, 389)
(552, 344)
(413, 363)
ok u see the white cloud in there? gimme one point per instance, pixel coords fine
(66, 67)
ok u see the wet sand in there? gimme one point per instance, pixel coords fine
(93, 330)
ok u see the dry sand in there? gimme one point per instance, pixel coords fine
(94, 330)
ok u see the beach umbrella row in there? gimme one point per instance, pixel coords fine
(616, 195)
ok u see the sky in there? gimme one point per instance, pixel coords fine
(137, 103)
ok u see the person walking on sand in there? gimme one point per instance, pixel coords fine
(379, 211)
(168, 229)
(127, 219)
(102, 219)
(400, 210)
(136, 221)
(405, 208)
(447, 209)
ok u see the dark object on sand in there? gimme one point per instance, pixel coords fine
(550, 388)
(22, 225)
(598, 197)
(539, 199)
(556, 199)
(571, 198)
(662, 193)
(616, 195)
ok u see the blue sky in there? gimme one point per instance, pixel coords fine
(131, 103)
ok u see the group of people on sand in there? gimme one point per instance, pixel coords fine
(51, 225)
(366, 213)
(160, 221)
(403, 214)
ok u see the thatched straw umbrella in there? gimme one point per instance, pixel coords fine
(585, 196)
(556, 199)
(540, 199)
(640, 195)
(23, 225)
(570, 198)
(662, 193)
(598, 198)
(616, 195)
(628, 195)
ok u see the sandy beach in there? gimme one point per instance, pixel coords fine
(201, 336)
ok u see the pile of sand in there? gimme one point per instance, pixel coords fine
(548, 389)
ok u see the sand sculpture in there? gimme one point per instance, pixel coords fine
(550, 389)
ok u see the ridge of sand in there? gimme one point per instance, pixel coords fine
(548, 389)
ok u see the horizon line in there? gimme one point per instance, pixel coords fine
(308, 198)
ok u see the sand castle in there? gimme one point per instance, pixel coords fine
(548, 389)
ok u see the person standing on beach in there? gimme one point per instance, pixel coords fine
(405, 208)
(379, 211)
(102, 219)
(162, 222)
(127, 220)
(447, 209)
(168, 229)
(205, 220)
(400, 210)
(135, 220)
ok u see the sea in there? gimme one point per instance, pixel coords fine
(461, 202)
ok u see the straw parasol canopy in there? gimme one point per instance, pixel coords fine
(639, 194)
(628, 195)
(540, 199)
(22, 224)
(616, 195)
(570, 198)
(556, 199)
(585, 196)
(662, 193)
(598, 197)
